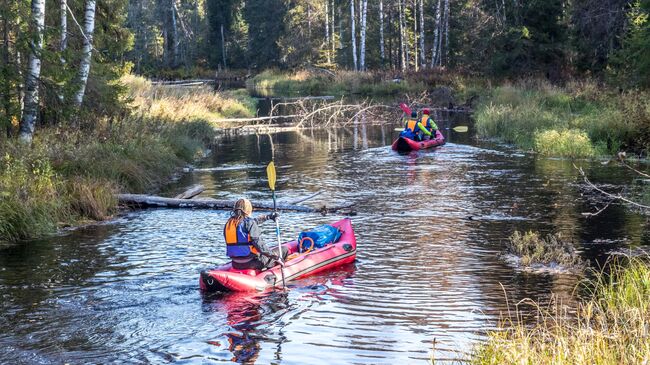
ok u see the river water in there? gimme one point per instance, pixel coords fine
(430, 228)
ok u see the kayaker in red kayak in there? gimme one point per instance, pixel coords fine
(428, 123)
(413, 129)
(243, 243)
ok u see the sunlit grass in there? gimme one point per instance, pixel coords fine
(579, 120)
(531, 248)
(611, 327)
(183, 103)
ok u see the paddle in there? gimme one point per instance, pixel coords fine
(405, 109)
(270, 172)
(459, 129)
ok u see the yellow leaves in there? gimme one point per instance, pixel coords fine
(14, 121)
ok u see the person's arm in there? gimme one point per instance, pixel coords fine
(255, 233)
(424, 130)
(433, 124)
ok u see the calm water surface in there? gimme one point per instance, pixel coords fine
(430, 228)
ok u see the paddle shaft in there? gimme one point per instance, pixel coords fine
(277, 233)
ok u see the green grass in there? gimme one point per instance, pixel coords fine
(66, 177)
(342, 82)
(610, 327)
(579, 120)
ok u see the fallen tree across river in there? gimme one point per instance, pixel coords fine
(151, 201)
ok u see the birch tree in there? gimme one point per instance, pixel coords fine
(84, 66)
(382, 52)
(353, 36)
(30, 113)
(415, 34)
(327, 31)
(423, 57)
(402, 46)
(446, 18)
(63, 43)
(364, 12)
(436, 41)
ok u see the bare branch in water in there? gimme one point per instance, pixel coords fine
(644, 208)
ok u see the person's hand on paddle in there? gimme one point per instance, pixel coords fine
(277, 260)
(273, 216)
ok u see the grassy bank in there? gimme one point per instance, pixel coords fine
(579, 120)
(372, 83)
(67, 177)
(612, 327)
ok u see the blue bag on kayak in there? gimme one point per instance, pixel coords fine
(407, 134)
(318, 237)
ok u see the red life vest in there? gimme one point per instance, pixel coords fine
(237, 239)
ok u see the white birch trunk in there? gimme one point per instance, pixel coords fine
(446, 32)
(402, 47)
(382, 51)
(364, 13)
(63, 44)
(353, 36)
(30, 113)
(84, 67)
(415, 35)
(176, 40)
(436, 34)
(327, 31)
(223, 48)
(423, 56)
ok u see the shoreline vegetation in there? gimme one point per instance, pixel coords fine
(611, 326)
(72, 176)
(578, 120)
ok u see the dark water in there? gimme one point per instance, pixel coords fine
(430, 228)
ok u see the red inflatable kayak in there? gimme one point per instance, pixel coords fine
(225, 278)
(405, 144)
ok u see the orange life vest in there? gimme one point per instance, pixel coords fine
(411, 124)
(425, 121)
(238, 240)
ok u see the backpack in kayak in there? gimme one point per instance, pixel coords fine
(407, 134)
(318, 237)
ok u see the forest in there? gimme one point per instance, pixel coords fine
(64, 58)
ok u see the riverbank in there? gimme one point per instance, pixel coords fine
(579, 120)
(71, 177)
(370, 83)
(611, 327)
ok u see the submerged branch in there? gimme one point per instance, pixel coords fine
(644, 208)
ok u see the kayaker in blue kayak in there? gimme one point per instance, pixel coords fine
(243, 243)
(428, 123)
(413, 129)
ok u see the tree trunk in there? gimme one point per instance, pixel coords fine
(30, 114)
(333, 30)
(6, 83)
(364, 13)
(423, 56)
(175, 41)
(327, 31)
(84, 67)
(415, 34)
(446, 32)
(436, 34)
(382, 53)
(63, 44)
(223, 48)
(353, 37)
(402, 46)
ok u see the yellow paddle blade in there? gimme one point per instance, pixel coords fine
(461, 129)
(270, 172)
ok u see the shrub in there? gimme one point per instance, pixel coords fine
(532, 249)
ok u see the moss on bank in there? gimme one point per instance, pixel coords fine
(579, 120)
(66, 177)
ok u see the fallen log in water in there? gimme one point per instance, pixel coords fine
(150, 201)
(191, 192)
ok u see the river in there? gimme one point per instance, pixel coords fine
(430, 228)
